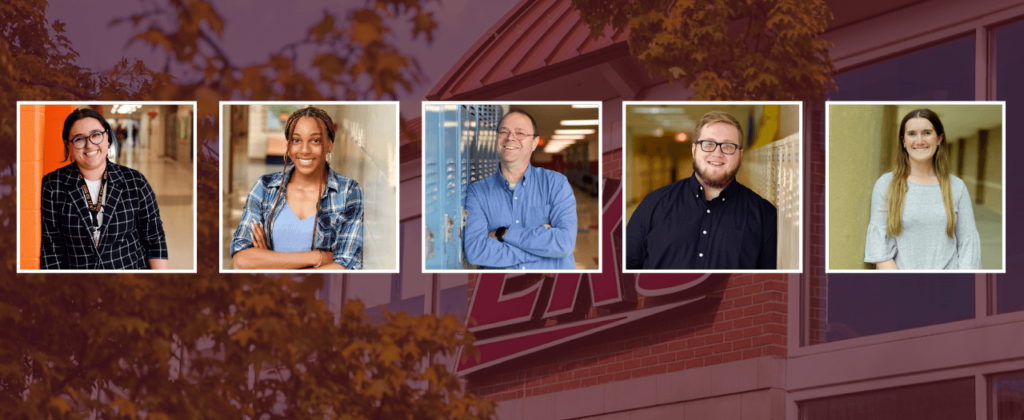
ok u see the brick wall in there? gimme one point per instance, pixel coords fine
(612, 164)
(748, 322)
(814, 241)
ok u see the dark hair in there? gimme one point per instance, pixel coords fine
(328, 129)
(77, 115)
(519, 111)
(927, 114)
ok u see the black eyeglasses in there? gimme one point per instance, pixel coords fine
(95, 138)
(518, 135)
(710, 146)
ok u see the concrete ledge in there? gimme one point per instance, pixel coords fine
(747, 389)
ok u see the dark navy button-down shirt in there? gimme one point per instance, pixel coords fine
(676, 227)
(540, 197)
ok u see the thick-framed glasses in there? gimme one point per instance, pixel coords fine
(95, 138)
(709, 146)
(518, 135)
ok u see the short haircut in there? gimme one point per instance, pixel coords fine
(519, 111)
(718, 117)
(79, 114)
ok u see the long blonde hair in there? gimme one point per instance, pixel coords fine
(897, 194)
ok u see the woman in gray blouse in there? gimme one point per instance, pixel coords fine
(921, 215)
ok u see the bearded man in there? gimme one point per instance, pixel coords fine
(708, 221)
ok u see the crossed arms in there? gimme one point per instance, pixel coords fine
(524, 243)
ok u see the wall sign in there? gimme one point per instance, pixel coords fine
(515, 315)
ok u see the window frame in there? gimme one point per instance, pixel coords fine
(860, 44)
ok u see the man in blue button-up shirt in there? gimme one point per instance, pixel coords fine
(522, 217)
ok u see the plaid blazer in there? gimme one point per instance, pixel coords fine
(131, 234)
(339, 226)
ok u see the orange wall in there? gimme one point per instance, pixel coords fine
(42, 150)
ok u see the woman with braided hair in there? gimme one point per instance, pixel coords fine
(306, 216)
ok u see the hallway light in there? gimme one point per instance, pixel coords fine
(656, 110)
(575, 131)
(568, 137)
(585, 106)
(124, 108)
(580, 122)
(556, 146)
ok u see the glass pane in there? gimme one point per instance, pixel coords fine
(1009, 65)
(1009, 294)
(1009, 62)
(844, 306)
(858, 305)
(944, 72)
(1008, 393)
(948, 400)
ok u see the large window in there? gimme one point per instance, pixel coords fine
(943, 72)
(948, 400)
(845, 306)
(1009, 86)
(862, 305)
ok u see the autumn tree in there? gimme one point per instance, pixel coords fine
(209, 345)
(725, 50)
(223, 347)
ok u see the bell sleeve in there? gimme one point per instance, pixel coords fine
(877, 246)
(968, 241)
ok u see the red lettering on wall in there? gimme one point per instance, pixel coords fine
(491, 307)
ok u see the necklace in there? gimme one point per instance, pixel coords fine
(95, 208)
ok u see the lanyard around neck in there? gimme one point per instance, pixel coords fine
(96, 208)
(88, 197)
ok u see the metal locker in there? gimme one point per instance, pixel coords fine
(459, 148)
(432, 156)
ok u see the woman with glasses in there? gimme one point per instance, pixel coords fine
(307, 216)
(97, 215)
(921, 215)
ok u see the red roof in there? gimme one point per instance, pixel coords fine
(409, 145)
(535, 37)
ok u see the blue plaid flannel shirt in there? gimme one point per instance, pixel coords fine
(339, 226)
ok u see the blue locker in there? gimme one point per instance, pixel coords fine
(459, 148)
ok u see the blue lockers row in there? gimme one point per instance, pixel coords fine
(460, 147)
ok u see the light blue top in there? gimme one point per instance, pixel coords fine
(923, 244)
(540, 197)
(339, 225)
(290, 233)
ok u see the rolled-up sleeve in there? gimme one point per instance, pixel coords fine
(251, 213)
(879, 247)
